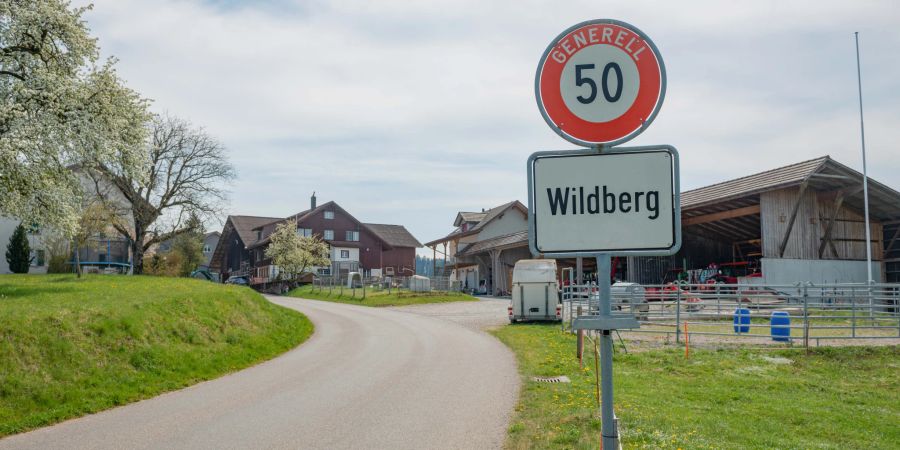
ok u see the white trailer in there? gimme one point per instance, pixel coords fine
(535, 291)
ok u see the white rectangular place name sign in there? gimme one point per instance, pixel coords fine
(623, 201)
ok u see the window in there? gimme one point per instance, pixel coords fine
(329, 235)
(258, 234)
(325, 271)
(345, 254)
(353, 236)
(206, 248)
(329, 215)
(305, 232)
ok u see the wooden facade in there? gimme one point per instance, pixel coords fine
(815, 211)
(795, 218)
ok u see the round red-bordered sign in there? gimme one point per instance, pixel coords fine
(600, 82)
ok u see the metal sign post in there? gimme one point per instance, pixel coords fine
(609, 431)
(598, 84)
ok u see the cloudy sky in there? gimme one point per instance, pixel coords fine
(409, 111)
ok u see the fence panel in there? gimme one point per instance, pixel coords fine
(810, 312)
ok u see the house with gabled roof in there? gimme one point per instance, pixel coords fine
(355, 246)
(484, 246)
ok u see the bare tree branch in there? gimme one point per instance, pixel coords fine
(187, 175)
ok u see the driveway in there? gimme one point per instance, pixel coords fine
(487, 313)
(367, 378)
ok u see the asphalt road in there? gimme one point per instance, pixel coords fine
(368, 378)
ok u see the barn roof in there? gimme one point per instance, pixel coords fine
(244, 225)
(752, 184)
(517, 239)
(823, 173)
(488, 217)
(393, 235)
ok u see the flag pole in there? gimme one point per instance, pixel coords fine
(862, 132)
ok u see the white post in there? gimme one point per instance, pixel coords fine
(862, 132)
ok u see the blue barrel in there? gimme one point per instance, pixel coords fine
(742, 320)
(781, 326)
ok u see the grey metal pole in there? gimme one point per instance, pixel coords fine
(677, 311)
(608, 431)
(862, 134)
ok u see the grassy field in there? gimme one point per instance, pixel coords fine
(379, 297)
(69, 347)
(731, 398)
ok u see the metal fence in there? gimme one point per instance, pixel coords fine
(359, 286)
(803, 312)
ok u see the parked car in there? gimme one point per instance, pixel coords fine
(239, 280)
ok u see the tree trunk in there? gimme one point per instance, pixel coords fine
(137, 249)
(77, 261)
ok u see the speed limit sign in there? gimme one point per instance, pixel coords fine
(600, 82)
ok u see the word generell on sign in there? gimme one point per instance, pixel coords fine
(600, 82)
(623, 201)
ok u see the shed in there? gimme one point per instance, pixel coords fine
(801, 222)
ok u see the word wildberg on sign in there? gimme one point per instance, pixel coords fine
(628, 202)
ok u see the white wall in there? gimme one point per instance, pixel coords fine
(7, 226)
(779, 271)
(336, 254)
(512, 221)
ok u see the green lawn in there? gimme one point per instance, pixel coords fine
(69, 347)
(731, 398)
(378, 297)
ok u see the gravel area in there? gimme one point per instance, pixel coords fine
(487, 313)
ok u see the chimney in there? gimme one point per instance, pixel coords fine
(312, 201)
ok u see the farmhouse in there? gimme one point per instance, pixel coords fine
(484, 246)
(372, 249)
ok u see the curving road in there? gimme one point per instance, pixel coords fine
(367, 378)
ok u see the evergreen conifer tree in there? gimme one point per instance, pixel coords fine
(18, 253)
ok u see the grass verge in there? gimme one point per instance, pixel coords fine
(379, 297)
(732, 398)
(70, 347)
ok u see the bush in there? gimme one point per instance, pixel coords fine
(57, 264)
(163, 265)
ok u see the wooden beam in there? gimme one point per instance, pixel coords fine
(826, 238)
(830, 243)
(734, 231)
(871, 241)
(714, 217)
(893, 241)
(827, 175)
(728, 234)
(790, 226)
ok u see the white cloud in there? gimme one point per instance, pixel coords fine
(406, 112)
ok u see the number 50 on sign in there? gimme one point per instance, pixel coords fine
(600, 83)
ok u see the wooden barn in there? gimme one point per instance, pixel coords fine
(802, 222)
